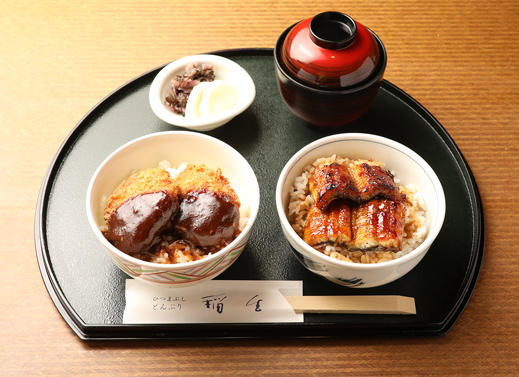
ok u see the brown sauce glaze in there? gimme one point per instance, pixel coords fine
(207, 218)
(135, 225)
(391, 220)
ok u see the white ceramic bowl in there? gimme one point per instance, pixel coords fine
(408, 166)
(224, 69)
(175, 147)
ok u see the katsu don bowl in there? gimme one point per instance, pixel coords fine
(360, 210)
(173, 208)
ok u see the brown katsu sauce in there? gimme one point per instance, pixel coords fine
(134, 226)
(207, 218)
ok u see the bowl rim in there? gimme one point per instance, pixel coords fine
(237, 242)
(165, 74)
(375, 77)
(434, 228)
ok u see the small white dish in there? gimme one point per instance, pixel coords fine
(224, 69)
(409, 167)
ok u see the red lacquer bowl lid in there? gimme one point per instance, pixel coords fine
(330, 50)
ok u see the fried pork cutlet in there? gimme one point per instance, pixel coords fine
(378, 224)
(331, 225)
(133, 227)
(359, 182)
(139, 209)
(331, 182)
(198, 205)
(144, 181)
(200, 177)
(208, 218)
(209, 210)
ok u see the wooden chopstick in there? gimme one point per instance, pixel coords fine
(353, 304)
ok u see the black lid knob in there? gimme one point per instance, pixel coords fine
(332, 30)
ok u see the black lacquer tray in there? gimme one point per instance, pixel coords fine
(88, 290)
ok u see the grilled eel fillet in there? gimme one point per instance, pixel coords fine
(331, 182)
(334, 225)
(376, 224)
(359, 182)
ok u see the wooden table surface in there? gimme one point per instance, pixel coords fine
(59, 58)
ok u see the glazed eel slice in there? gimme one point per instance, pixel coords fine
(332, 225)
(378, 224)
(331, 182)
(358, 182)
(372, 180)
(374, 225)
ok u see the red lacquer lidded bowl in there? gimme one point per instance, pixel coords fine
(329, 68)
(330, 50)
